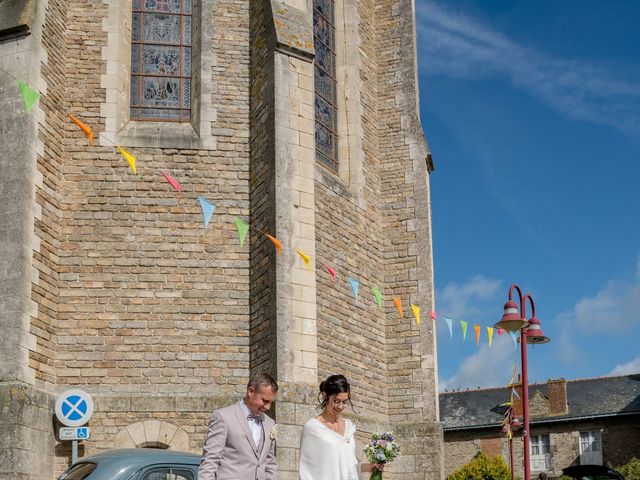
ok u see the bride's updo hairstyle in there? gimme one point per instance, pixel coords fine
(332, 386)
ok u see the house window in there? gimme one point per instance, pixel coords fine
(325, 84)
(591, 448)
(541, 453)
(161, 60)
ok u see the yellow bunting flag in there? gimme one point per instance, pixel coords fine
(398, 303)
(129, 158)
(416, 313)
(490, 335)
(476, 328)
(276, 243)
(84, 127)
(305, 258)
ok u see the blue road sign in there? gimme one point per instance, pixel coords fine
(74, 408)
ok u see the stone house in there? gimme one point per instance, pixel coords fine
(299, 117)
(586, 421)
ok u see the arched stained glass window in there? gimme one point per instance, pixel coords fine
(161, 60)
(325, 84)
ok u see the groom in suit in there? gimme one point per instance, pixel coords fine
(240, 442)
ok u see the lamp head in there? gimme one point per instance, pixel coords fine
(534, 332)
(511, 320)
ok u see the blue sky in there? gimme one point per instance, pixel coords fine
(532, 112)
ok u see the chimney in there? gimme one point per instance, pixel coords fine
(557, 393)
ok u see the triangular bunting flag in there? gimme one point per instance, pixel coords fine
(207, 210)
(515, 340)
(450, 325)
(378, 295)
(463, 324)
(331, 271)
(276, 243)
(490, 335)
(416, 313)
(354, 287)
(172, 181)
(476, 328)
(305, 258)
(29, 95)
(243, 228)
(501, 331)
(433, 315)
(398, 303)
(131, 160)
(84, 127)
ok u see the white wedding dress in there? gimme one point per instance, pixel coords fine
(327, 455)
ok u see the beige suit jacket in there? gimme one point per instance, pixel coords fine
(229, 450)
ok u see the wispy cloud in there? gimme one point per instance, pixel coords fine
(488, 367)
(460, 46)
(463, 301)
(628, 368)
(613, 310)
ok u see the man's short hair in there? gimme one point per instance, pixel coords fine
(260, 380)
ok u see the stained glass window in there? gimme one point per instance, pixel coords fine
(325, 83)
(161, 60)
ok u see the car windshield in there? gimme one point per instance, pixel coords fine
(79, 471)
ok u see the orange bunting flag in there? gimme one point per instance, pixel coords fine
(416, 313)
(83, 126)
(490, 335)
(433, 315)
(172, 181)
(331, 271)
(129, 158)
(398, 303)
(276, 243)
(305, 258)
(476, 328)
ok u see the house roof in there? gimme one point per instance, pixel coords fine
(586, 398)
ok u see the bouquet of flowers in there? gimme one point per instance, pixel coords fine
(381, 449)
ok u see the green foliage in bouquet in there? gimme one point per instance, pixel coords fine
(382, 448)
(483, 468)
(630, 471)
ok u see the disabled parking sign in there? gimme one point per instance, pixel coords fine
(74, 408)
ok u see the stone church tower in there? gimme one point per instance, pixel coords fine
(297, 116)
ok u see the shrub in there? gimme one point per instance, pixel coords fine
(631, 471)
(482, 468)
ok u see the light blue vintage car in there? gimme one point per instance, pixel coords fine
(135, 464)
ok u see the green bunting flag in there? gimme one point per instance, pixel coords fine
(378, 294)
(243, 228)
(29, 95)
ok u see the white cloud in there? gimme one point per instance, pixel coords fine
(488, 367)
(458, 46)
(472, 299)
(614, 309)
(628, 368)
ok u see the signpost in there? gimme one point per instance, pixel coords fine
(74, 409)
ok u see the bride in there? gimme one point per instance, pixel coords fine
(327, 446)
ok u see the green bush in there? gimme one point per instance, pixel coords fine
(483, 468)
(631, 471)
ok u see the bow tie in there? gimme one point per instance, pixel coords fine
(255, 418)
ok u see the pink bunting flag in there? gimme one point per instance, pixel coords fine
(433, 315)
(331, 271)
(172, 181)
(501, 331)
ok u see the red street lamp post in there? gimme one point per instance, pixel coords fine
(530, 332)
